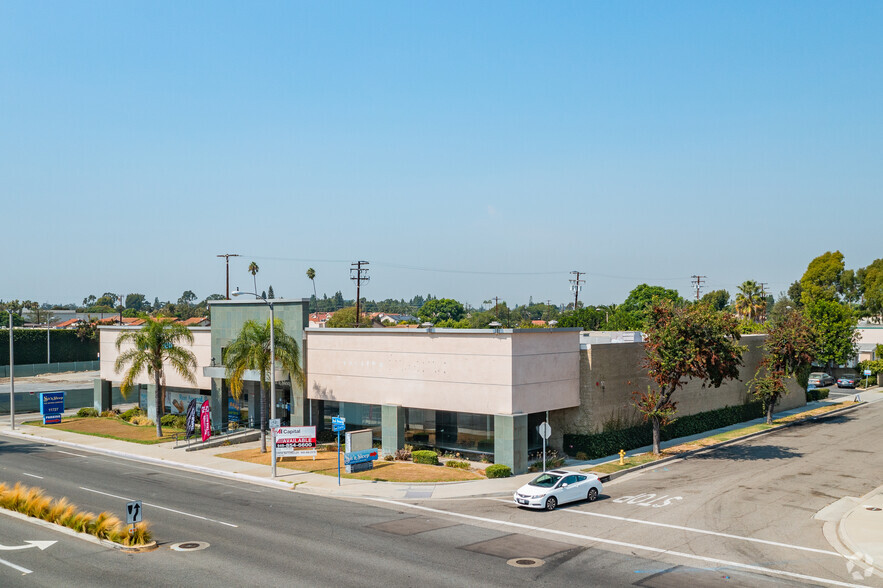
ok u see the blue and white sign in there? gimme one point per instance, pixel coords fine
(338, 424)
(360, 456)
(867, 372)
(51, 407)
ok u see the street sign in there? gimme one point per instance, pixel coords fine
(51, 407)
(295, 441)
(338, 424)
(867, 372)
(134, 512)
(275, 423)
(544, 430)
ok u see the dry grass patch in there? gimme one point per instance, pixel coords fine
(384, 471)
(112, 428)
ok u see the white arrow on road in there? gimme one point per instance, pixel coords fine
(41, 544)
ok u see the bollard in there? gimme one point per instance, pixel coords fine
(622, 457)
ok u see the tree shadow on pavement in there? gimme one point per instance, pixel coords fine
(749, 453)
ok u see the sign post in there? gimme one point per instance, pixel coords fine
(51, 407)
(134, 514)
(544, 430)
(338, 424)
(867, 376)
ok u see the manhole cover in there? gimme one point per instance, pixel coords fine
(525, 562)
(189, 546)
(873, 508)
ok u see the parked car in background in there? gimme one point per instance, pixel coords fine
(821, 379)
(847, 381)
(557, 487)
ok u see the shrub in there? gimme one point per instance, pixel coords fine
(87, 411)
(108, 414)
(498, 470)
(132, 412)
(463, 465)
(596, 445)
(403, 455)
(581, 455)
(816, 394)
(142, 421)
(326, 436)
(388, 457)
(551, 464)
(424, 456)
(176, 421)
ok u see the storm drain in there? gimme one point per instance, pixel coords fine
(525, 562)
(189, 546)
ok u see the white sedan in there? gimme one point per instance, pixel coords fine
(556, 487)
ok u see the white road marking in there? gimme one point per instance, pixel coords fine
(41, 544)
(69, 453)
(186, 514)
(659, 550)
(32, 475)
(15, 567)
(691, 530)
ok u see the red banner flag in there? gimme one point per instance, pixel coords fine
(205, 421)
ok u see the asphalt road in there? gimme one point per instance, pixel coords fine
(740, 516)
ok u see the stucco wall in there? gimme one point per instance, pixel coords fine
(108, 354)
(609, 374)
(485, 372)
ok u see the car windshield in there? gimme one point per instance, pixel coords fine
(545, 481)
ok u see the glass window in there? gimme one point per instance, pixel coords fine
(545, 481)
(569, 480)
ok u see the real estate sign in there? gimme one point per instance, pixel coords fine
(295, 441)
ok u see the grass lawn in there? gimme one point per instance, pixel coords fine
(112, 428)
(642, 458)
(384, 471)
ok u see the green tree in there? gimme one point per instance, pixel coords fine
(870, 285)
(108, 299)
(345, 318)
(251, 351)
(718, 299)
(749, 302)
(155, 345)
(441, 309)
(587, 319)
(834, 325)
(686, 342)
(253, 269)
(795, 293)
(311, 274)
(136, 302)
(270, 294)
(633, 313)
(790, 348)
(822, 279)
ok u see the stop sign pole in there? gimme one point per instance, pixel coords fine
(544, 430)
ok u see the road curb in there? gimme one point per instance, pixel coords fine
(153, 460)
(847, 542)
(688, 454)
(84, 536)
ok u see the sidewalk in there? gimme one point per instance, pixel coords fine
(861, 530)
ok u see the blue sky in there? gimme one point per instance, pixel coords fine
(467, 150)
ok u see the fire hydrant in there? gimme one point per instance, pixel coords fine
(622, 457)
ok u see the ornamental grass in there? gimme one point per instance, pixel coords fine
(34, 503)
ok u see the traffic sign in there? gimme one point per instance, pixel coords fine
(867, 372)
(275, 423)
(338, 424)
(544, 430)
(134, 512)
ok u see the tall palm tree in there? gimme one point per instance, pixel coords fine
(251, 351)
(311, 274)
(253, 269)
(749, 302)
(154, 346)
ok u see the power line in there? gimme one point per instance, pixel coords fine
(697, 283)
(360, 275)
(227, 257)
(575, 287)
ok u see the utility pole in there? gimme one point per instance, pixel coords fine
(358, 274)
(227, 257)
(576, 286)
(763, 286)
(697, 283)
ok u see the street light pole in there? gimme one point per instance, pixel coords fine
(11, 374)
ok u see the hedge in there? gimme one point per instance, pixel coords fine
(30, 346)
(498, 470)
(816, 394)
(430, 457)
(599, 445)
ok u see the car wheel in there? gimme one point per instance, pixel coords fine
(593, 495)
(551, 503)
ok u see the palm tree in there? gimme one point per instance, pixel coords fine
(251, 351)
(749, 302)
(253, 269)
(155, 345)
(311, 274)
